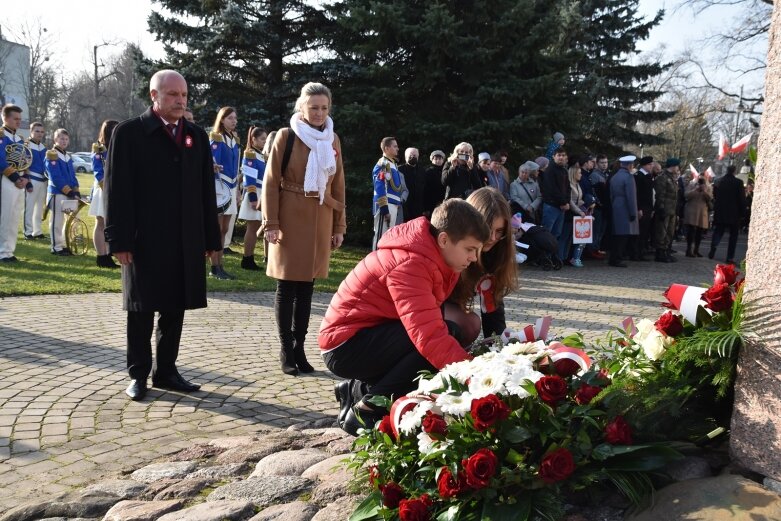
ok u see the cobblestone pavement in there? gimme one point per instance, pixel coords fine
(65, 420)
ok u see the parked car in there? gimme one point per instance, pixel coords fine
(81, 165)
(86, 156)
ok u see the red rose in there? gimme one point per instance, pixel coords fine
(488, 410)
(725, 274)
(415, 509)
(586, 393)
(450, 486)
(391, 494)
(670, 324)
(552, 389)
(557, 465)
(480, 467)
(718, 297)
(385, 427)
(434, 424)
(604, 377)
(566, 367)
(618, 432)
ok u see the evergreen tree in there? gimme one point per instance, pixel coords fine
(245, 53)
(498, 73)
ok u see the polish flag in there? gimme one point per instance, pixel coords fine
(723, 147)
(741, 145)
(695, 173)
(709, 174)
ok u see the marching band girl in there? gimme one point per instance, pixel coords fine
(225, 150)
(253, 167)
(97, 208)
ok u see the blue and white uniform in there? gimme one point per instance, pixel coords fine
(387, 196)
(252, 187)
(63, 185)
(11, 197)
(99, 158)
(225, 151)
(35, 199)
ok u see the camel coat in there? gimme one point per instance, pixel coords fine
(696, 211)
(306, 227)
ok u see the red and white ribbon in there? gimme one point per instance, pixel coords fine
(686, 299)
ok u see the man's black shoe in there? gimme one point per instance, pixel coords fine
(712, 253)
(618, 264)
(228, 251)
(137, 389)
(360, 419)
(41, 236)
(174, 382)
(344, 395)
(9, 259)
(29, 237)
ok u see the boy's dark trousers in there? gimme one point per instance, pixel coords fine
(139, 342)
(382, 359)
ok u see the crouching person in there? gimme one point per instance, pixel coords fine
(385, 323)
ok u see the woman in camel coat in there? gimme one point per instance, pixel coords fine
(304, 217)
(695, 214)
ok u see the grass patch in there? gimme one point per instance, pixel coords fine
(41, 273)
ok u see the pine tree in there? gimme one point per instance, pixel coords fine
(245, 53)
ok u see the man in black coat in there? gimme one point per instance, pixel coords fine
(415, 177)
(555, 190)
(644, 183)
(729, 207)
(161, 220)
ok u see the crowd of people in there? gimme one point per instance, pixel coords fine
(445, 250)
(638, 207)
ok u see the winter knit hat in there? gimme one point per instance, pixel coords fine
(543, 162)
(558, 136)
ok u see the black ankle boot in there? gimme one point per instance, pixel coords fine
(287, 361)
(105, 261)
(248, 263)
(689, 251)
(300, 356)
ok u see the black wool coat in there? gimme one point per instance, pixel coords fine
(729, 200)
(161, 207)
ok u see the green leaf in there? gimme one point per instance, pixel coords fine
(380, 401)
(451, 514)
(516, 434)
(369, 508)
(514, 457)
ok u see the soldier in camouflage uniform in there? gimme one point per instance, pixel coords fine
(666, 190)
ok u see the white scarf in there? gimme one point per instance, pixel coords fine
(321, 163)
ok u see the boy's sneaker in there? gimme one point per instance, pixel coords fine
(520, 258)
(576, 263)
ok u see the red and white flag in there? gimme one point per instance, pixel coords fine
(709, 174)
(741, 145)
(723, 147)
(695, 173)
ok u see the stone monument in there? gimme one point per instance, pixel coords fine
(756, 422)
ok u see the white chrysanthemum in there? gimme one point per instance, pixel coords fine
(510, 363)
(411, 420)
(427, 444)
(461, 371)
(487, 382)
(455, 404)
(524, 348)
(515, 381)
(428, 386)
(486, 357)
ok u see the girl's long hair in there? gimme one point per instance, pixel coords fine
(106, 131)
(252, 133)
(499, 261)
(223, 113)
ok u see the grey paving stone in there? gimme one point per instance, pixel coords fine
(141, 510)
(213, 511)
(295, 511)
(265, 491)
(157, 471)
(288, 462)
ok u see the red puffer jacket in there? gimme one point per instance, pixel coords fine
(406, 278)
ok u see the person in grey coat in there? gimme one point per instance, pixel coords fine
(623, 200)
(525, 195)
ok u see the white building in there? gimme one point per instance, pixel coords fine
(14, 71)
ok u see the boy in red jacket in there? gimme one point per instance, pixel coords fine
(385, 323)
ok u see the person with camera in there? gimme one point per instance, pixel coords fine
(459, 175)
(699, 194)
(14, 184)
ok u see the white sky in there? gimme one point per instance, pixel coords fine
(80, 24)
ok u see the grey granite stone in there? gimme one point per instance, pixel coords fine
(158, 471)
(265, 491)
(141, 510)
(213, 511)
(295, 511)
(288, 462)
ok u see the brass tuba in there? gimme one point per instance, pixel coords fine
(19, 155)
